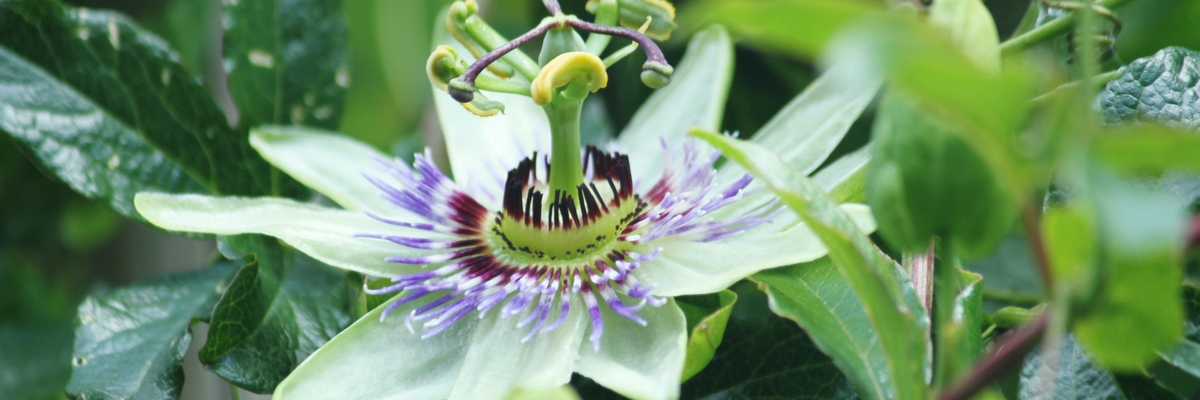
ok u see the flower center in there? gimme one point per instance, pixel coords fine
(545, 251)
(566, 228)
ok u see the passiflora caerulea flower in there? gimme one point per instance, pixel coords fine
(539, 258)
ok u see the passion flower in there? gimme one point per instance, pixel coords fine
(540, 257)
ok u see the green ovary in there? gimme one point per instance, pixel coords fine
(563, 245)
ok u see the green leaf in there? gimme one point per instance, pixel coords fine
(1009, 274)
(1160, 88)
(970, 26)
(877, 282)
(933, 183)
(1077, 377)
(986, 108)
(1149, 149)
(815, 296)
(287, 61)
(762, 357)
(1179, 368)
(706, 324)
(279, 308)
(35, 359)
(1140, 253)
(129, 342)
(139, 86)
(773, 24)
(765, 358)
(959, 308)
(90, 149)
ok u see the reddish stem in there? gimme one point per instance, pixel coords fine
(1033, 233)
(1004, 359)
(1194, 233)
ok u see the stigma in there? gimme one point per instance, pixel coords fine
(542, 251)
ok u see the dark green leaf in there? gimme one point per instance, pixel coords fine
(35, 359)
(279, 308)
(1073, 377)
(287, 61)
(815, 295)
(91, 150)
(1078, 378)
(129, 342)
(1009, 275)
(135, 82)
(1161, 88)
(768, 358)
(886, 297)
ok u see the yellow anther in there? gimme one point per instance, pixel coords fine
(443, 65)
(483, 107)
(564, 69)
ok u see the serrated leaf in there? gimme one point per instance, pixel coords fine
(1077, 377)
(129, 342)
(287, 61)
(886, 296)
(1161, 88)
(135, 79)
(35, 359)
(279, 308)
(93, 151)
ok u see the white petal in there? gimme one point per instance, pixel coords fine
(329, 163)
(808, 128)
(639, 362)
(686, 267)
(375, 359)
(483, 149)
(695, 98)
(498, 363)
(323, 233)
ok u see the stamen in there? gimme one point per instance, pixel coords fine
(534, 258)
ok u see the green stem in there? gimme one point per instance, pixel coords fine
(946, 287)
(566, 168)
(492, 84)
(606, 14)
(1049, 30)
(1097, 81)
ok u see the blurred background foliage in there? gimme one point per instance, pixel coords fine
(56, 246)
